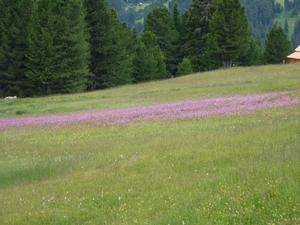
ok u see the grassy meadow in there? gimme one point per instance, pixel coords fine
(221, 169)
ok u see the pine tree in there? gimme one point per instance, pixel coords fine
(229, 32)
(286, 26)
(185, 67)
(5, 48)
(144, 64)
(58, 49)
(197, 26)
(150, 41)
(277, 46)
(160, 22)
(177, 44)
(175, 14)
(111, 46)
(253, 57)
(117, 67)
(14, 21)
(296, 34)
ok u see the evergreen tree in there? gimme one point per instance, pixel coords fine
(150, 41)
(278, 7)
(117, 67)
(5, 48)
(286, 26)
(185, 67)
(177, 53)
(144, 64)
(253, 57)
(111, 46)
(261, 21)
(160, 22)
(287, 5)
(229, 32)
(175, 14)
(197, 29)
(58, 50)
(15, 16)
(277, 46)
(296, 34)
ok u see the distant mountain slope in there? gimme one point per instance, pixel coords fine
(262, 14)
(133, 12)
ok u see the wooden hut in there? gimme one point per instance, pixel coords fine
(295, 57)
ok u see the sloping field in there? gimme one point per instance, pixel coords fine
(212, 148)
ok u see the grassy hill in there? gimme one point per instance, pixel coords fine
(235, 168)
(280, 19)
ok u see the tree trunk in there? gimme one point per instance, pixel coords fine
(227, 63)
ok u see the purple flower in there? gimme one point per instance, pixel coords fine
(180, 110)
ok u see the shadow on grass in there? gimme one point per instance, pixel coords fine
(39, 172)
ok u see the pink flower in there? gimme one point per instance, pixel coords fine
(181, 110)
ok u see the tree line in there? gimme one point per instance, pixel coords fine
(57, 47)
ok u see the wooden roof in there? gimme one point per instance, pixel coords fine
(296, 54)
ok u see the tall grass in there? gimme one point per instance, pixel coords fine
(236, 81)
(222, 169)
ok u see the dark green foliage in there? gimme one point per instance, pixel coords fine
(197, 29)
(111, 46)
(296, 35)
(15, 16)
(160, 22)
(253, 57)
(183, 5)
(229, 32)
(97, 19)
(179, 22)
(116, 66)
(286, 26)
(175, 14)
(144, 64)
(150, 41)
(277, 46)
(278, 7)
(185, 67)
(287, 5)
(58, 49)
(261, 15)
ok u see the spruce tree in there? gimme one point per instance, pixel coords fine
(15, 16)
(295, 39)
(185, 67)
(111, 46)
(58, 48)
(177, 53)
(5, 47)
(277, 46)
(229, 32)
(197, 29)
(175, 14)
(286, 26)
(144, 64)
(253, 57)
(160, 22)
(150, 41)
(117, 65)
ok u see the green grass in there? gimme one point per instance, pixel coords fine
(238, 169)
(142, 7)
(241, 81)
(282, 1)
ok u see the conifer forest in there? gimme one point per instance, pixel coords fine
(68, 46)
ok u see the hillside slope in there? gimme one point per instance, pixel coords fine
(134, 12)
(236, 168)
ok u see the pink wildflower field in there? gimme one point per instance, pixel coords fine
(182, 110)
